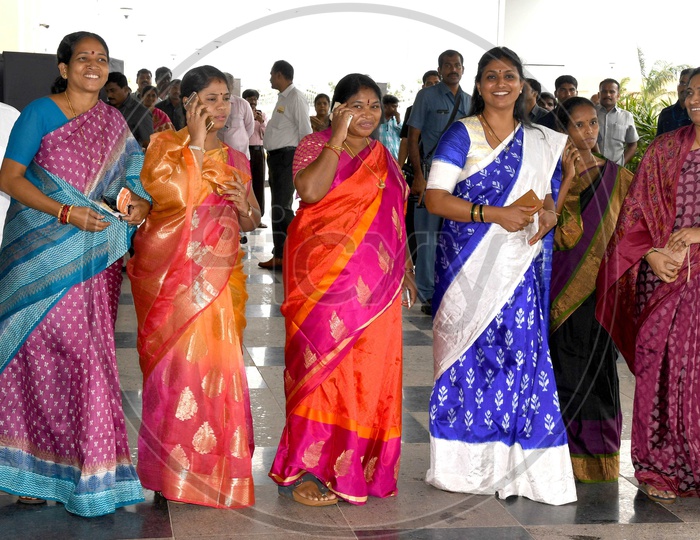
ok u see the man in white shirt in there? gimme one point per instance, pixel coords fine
(8, 116)
(240, 123)
(288, 124)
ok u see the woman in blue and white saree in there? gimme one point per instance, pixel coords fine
(495, 422)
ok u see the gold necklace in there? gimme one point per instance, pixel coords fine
(381, 184)
(490, 129)
(80, 128)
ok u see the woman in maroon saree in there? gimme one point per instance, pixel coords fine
(648, 301)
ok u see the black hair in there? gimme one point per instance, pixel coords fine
(285, 68)
(608, 81)
(162, 72)
(389, 100)
(565, 79)
(565, 109)
(250, 93)
(535, 85)
(118, 78)
(499, 53)
(144, 70)
(685, 72)
(449, 52)
(65, 51)
(196, 79)
(693, 73)
(351, 84)
(322, 96)
(547, 95)
(147, 89)
(430, 73)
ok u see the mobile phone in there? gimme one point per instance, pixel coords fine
(209, 122)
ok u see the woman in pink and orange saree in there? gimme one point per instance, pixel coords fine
(345, 270)
(196, 437)
(648, 300)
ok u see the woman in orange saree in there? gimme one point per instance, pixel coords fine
(196, 439)
(344, 268)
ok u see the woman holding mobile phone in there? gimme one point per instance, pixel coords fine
(345, 268)
(196, 438)
(494, 404)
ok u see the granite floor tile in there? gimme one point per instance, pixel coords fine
(416, 398)
(270, 515)
(416, 337)
(51, 521)
(412, 431)
(500, 533)
(650, 531)
(255, 379)
(264, 310)
(125, 340)
(618, 502)
(267, 356)
(130, 375)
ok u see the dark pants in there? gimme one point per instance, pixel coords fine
(279, 163)
(257, 172)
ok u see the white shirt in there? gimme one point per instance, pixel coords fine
(240, 125)
(8, 116)
(290, 122)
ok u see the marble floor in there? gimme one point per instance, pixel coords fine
(419, 512)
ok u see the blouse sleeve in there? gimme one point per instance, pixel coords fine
(450, 158)
(37, 119)
(308, 151)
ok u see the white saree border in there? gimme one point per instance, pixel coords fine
(541, 474)
(491, 274)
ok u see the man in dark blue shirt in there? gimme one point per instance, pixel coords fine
(429, 119)
(675, 115)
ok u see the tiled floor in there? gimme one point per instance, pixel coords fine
(419, 512)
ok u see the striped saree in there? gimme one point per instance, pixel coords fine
(343, 272)
(62, 429)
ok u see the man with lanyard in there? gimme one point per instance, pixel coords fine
(434, 109)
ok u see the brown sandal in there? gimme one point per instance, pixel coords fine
(658, 495)
(30, 500)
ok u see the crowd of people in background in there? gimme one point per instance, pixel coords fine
(507, 213)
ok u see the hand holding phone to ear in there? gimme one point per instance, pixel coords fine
(341, 117)
(198, 120)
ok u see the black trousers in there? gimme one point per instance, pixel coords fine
(279, 163)
(257, 172)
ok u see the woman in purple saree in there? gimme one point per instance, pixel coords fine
(62, 430)
(648, 301)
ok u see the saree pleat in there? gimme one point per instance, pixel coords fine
(63, 434)
(196, 436)
(583, 354)
(343, 271)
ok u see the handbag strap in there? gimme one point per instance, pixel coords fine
(458, 101)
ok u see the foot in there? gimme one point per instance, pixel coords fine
(658, 495)
(31, 500)
(309, 490)
(427, 307)
(262, 226)
(272, 264)
(244, 239)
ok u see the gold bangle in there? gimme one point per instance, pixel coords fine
(652, 250)
(60, 211)
(70, 209)
(250, 210)
(471, 212)
(481, 213)
(338, 149)
(193, 147)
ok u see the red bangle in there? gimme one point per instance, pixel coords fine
(63, 215)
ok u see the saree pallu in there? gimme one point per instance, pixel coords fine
(196, 435)
(657, 327)
(63, 435)
(495, 421)
(343, 274)
(583, 354)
